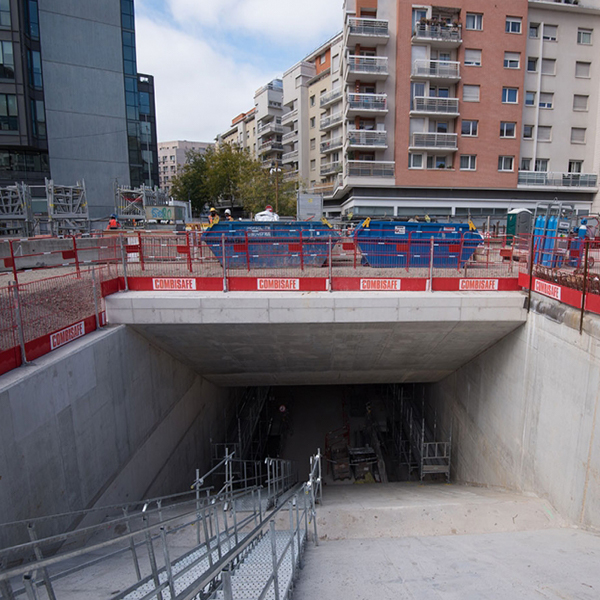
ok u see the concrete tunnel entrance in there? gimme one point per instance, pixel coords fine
(366, 433)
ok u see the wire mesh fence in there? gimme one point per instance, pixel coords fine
(8, 319)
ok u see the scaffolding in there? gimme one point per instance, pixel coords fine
(131, 203)
(16, 213)
(67, 208)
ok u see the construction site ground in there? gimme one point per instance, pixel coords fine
(439, 542)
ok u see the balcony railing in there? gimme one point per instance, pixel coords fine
(444, 141)
(331, 120)
(330, 145)
(331, 97)
(367, 101)
(442, 106)
(270, 145)
(441, 69)
(323, 188)
(270, 128)
(576, 180)
(334, 167)
(368, 27)
(290, 135)
(374, 65)
(290, 116)
(369, 168)
(360, 137)
(442, 33)
(290, 156)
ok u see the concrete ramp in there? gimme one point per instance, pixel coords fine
(289, 338)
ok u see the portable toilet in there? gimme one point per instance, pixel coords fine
(518, 222)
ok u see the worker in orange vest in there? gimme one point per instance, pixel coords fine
(213, 216)
(113, 223)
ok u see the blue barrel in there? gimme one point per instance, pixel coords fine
(271, 244)
(402, 244)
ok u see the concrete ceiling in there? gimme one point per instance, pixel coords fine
(296, 339)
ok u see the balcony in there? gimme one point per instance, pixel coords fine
(332, 145)
(366, 32)
(271, 127)
(270, 146)
(331, 97)
(370, 168)
(289, 117)
(561, 180)
(366, 104)
(323, 188)
(290, 156)
(360, 139)
(271, 163)
(425, 105)
(366, 68)
(438, 36)
(330, 168)
(290, 175)
(442, 71)
(434, 142)
(331, 121)
(290, 137)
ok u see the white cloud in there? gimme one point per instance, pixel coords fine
(283, 20)
(198, 89)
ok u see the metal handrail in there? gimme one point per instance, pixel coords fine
(361, 137)
(447, 33)
(436, 68)
(435, 105)
(367, 101)
(331, 96)
(368, 64)
(435, 140)
(365, 26)
(540, 178)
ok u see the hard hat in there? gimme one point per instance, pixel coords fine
(227, 211)
(268, 207)
(113, 216)
(213, 209)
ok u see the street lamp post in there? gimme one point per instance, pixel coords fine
(275, 169)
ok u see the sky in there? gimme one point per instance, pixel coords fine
(208, 57)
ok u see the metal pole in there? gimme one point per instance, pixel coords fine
(217, 532)
(152, 558)
(431, 248)
(292, 542)
(14, 287)
(39, 556)
(585, 278)
(7, 591)
(163, 536)
(76, 255)
(13, 261)
(31, 593)
(274, 554)
(136, 562)
(124, 261)
(207, 539)
(95, 291)
(235, 524)
(197, 486)
(224, 262)
(531, 257)
(227, 589)
(314, 513)
(259, 506)
(300, 564)
(330, 265)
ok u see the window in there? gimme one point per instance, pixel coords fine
(38, 119)
(9, 117)
(313, 143)
(312, 122)
(415, 161)
(577, 135)
(550, 32)
(505, 163)
(580, 102)
(472, 58)
(529, 98)
(548, 66)
(582, 69)
(474, 21)
(584, 36)
(33, 19)
(534, 30)
(527, 132)
(144, 103)
(470, 93)
(323, 58)
(544, 133)
(438, 162)
(507, 129)
(510, 95)
(525, 164)
(541, 165)
(468, 128)
(312, 100)
(575, 166)
(532, 64)
(7, 61)
(546, 99)
(513, 25)
(313, 164)
(468, 162)
(4, 13)
(512, 60)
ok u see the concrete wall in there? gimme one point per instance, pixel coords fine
(104, 420)
(524, 413)
(84, 90)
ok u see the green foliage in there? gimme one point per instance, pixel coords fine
(229, 176)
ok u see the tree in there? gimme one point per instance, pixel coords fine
(192, 184)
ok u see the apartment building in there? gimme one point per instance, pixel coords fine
(69, 97)
(171, 158)
(462, 108)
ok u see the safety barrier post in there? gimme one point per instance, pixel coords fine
(247, 249)
(76, 256)
(330, 265)
(585, 278)
(124, 261)
(167, 559)
(197, 486)
(136, 562)
(141, 253)
(14, 287)
(14, 263)
(189, 251)
(531, 256)
(227, 589)
(224, 263)
(95, 292)
(39, 556)
(408, 251)
(292, 543)
(29, 589)
(207, 538)
(301, 252)
(460, 253)
(152, 557)
(296, 502)
(431, 249)
(274, 554)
